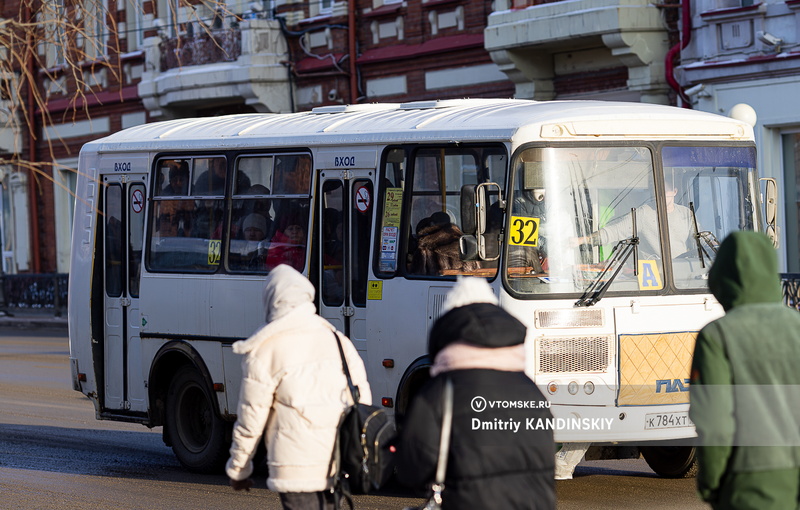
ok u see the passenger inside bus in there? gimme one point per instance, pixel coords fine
(245, 207)
(178, 179)
(174, 216)
(437, 250)
(212, 180)
(254, 228)
(288, 245)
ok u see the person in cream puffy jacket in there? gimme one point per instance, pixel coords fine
(293, 393)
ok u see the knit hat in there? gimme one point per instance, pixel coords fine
(255, 221)
(471, 315)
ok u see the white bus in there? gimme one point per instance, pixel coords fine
(568, 209)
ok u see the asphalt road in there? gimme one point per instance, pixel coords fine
(54, 454)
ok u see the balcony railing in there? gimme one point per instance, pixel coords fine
(34, 292)
(223, 45)
(791, 289)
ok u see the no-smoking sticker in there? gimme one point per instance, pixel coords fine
(363, 199)
(137, 201)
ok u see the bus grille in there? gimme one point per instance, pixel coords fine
(572, 354)
(569, 318)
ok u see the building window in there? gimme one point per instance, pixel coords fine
(14, 225)
(54, 39)
(791, 172)
(318, 8)
(65, 177)
(135, 28)
(95, 34)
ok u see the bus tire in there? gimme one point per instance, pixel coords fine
(671, 461)
(198, 435)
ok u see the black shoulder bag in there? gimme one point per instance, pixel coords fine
(362, 443)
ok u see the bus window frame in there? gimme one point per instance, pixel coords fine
(273, 198)
(154, 198)
(227, 198)
(411, 151)
(655, 147)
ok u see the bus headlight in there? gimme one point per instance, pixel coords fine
(572, 388)
(588, 387)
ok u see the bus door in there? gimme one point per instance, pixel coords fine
(123, 228)
(346, 212)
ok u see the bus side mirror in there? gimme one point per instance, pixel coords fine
(479, 247)
(468, 247)
(470, 209)
(474, 244)
(771, 209)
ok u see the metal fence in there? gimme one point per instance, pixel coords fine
(35, 293)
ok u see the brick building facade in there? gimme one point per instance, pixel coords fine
(161, 59)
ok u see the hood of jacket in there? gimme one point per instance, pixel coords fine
(288, 303)
(745, 271)
(284, 290)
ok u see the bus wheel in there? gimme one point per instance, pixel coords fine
(197, 433)
(671, 461)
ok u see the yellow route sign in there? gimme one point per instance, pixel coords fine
(524, 231)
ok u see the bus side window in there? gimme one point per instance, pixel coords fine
(186, 221)
(393, 179)
(435, 216)
(252, 222)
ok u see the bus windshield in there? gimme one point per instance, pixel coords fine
(573, 210)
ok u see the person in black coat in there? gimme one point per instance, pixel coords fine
(501, 448)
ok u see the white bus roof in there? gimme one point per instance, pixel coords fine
(429, 121)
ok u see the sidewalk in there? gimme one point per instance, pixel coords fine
(33, 319)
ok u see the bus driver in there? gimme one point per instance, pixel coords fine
(681, 227)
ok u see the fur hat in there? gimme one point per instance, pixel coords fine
(470, 314)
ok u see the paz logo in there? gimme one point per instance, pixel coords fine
(672, 385)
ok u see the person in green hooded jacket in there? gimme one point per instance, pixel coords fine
(745, 384)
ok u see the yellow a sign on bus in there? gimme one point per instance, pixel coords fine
(649, 275)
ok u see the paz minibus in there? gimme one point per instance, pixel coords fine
(594, 222)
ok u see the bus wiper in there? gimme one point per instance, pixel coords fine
(619, 255)
(705, 237)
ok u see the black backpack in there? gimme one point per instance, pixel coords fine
(364, 460)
